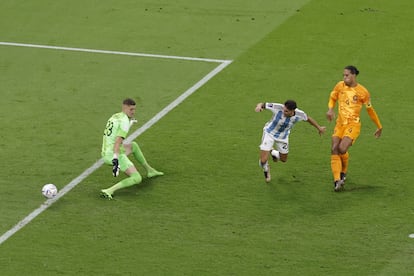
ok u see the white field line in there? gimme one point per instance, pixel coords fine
(110, 52)
(135, 134)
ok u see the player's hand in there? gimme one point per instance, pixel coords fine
(259, 107)
(378, 133)
(322, 130)
(330, 115)
(115, 167)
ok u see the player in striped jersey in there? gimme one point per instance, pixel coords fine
(277, 130)
(351, 96)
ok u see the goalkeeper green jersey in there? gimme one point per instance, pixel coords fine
(118, 125)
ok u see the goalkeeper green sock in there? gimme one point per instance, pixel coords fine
(139, 156)
(133, 179)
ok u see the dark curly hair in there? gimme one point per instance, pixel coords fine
(290, 104)
(128, 101)
(352, 69)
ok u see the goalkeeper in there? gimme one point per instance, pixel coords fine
(115, 152)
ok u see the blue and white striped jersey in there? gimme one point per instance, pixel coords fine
(280, 125)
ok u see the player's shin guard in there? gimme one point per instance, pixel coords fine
(336, 166)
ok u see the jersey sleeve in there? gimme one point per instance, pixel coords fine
(333, 97)
(301, 115)
(274, 107)
(123, 128)
(366, 98)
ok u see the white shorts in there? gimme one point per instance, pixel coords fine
(268, 142)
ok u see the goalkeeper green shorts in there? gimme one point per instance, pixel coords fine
(124, 162)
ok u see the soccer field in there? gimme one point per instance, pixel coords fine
(197, 71)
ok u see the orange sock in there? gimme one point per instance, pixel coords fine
(344, 159)
(336, 166)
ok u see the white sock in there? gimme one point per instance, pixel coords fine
(264, 166)
(275, 154)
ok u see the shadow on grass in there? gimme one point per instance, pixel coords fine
(351, 187)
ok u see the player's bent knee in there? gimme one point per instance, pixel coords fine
(343, 149)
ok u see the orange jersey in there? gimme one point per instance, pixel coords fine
(350, 101)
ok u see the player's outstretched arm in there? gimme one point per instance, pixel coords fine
(321, 129)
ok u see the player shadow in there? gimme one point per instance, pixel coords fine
(146, 183)
(349, 187)
(354, 187)
(279, 181)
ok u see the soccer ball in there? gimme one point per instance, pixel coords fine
(49, 190)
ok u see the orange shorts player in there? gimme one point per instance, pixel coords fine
(351, 96)
(351, 130)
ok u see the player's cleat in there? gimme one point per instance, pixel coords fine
(105, 194)
(154, 173)
(343, 176)
(267, 176)
(338, 185)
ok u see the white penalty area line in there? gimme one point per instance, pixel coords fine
(223, 64)
(111, 52)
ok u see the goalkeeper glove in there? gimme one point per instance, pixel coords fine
(115, 167)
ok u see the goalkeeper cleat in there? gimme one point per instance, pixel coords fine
(154, 173)
(106, 194)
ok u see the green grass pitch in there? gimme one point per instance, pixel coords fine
(211, 213)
